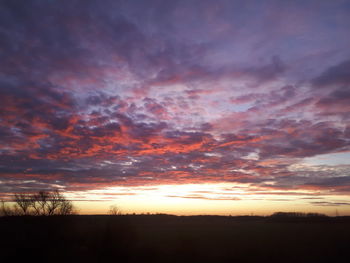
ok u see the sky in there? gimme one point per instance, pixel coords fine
(181, 107)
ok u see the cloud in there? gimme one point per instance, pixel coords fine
(338, 75)
(125, 93)
(330, 203)
(205, 198)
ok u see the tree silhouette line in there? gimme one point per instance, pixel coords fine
(296, 215)
(43, 203)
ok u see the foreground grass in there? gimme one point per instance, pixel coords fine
(162, 238)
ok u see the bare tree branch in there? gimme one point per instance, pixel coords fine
(24, 202)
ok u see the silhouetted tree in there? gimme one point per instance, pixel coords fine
(58, 204)
(66, 208)
(42, 203)
(23, 202)
(114, 210)
(54, 202)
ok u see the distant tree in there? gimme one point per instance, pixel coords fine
(296, 215)
(114, 210)
(315, 215)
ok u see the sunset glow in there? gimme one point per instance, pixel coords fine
(210, 198)
(179, 107)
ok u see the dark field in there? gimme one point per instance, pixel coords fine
(163, 238)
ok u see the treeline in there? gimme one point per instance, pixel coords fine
(296, 215)
(43, 203)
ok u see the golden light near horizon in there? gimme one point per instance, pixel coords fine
(209, 198)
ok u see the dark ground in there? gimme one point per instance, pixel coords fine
(163, 238)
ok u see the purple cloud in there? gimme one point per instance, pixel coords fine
(129, 93)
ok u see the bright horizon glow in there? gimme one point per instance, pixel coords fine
(205, 199)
